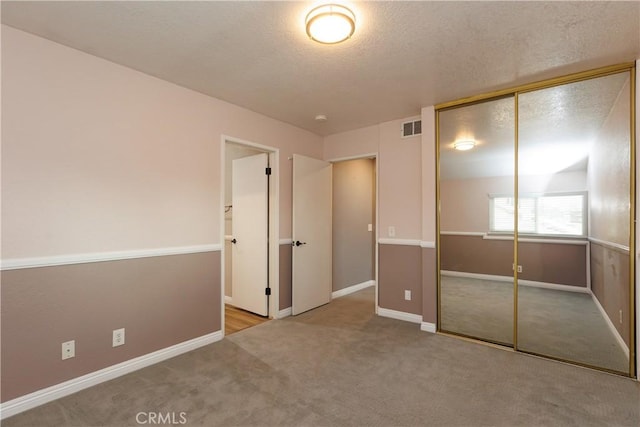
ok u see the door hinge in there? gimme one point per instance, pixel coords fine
(267, 171)
(267, 291)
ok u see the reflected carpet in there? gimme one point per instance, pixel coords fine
(566, 325)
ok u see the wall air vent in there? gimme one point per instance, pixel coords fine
(411, 128)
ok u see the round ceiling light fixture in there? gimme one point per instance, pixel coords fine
(330, 23)
(464, 145)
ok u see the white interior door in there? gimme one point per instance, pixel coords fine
(311, 275)
(249, 230)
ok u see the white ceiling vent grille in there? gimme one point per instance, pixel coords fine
(411, 128)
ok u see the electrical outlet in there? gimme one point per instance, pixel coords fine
(118, 337)
(68, 349)
(392, 231)
(407, 295)
(369, 227)
(519, 269)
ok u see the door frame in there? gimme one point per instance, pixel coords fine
(374, 156)
(274, 222)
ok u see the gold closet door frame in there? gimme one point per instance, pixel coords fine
(514, 92)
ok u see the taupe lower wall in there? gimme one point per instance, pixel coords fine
(473, 254)
(563, 264)
(610, 284)
(285, 276)
(429, 286)
(400, 269)
(160, 301)
(553, 263)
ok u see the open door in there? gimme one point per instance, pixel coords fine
(312, 274)
(250, 200)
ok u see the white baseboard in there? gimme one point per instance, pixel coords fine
(428, 327)
(566, 288)
(46, 395)
(615, 332)
(351, 289)
(521, 282)
(284, 313)
(400, 315)
(228, 300)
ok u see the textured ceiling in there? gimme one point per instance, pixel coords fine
(556, 127)
(403, 56)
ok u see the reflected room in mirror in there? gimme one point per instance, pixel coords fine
(555, 163)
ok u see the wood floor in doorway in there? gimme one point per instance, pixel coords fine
(236, 319)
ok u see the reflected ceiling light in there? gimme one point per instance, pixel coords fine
(464, 145)
(330, 23)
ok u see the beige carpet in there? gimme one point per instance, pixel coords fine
(340, 365)
(566, 325)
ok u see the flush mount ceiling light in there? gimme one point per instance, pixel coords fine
(330, 23)
(464, 145)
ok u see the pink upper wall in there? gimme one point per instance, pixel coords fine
(399, 173)
(98, 157)
(609, 169)
(400, 186)
(352, 143)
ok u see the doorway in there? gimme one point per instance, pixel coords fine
(354, 212)
(250, 226)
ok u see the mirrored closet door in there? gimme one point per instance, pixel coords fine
(476, 278)
(574, 176)
(535, 219)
